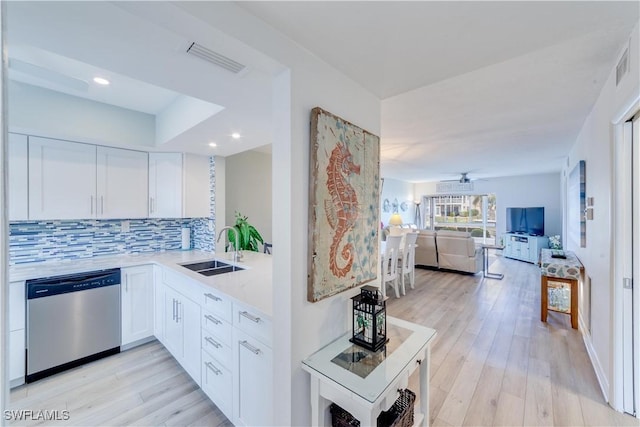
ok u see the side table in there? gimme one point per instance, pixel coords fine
(365, 383)
(485, 258)
(561, 276)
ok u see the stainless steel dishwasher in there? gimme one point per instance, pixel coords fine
(71, 320)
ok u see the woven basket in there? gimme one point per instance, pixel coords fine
(401, 412)
(341, 418)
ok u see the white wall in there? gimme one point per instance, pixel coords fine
(518, 191)
(402, 191)
(595, 144)
(248, 190)
(300, 327)
(37, 111)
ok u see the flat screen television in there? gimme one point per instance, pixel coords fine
(525, 221)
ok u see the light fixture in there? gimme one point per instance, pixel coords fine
(235, 135)
(395, 219)
(213, 144)
(101, 81)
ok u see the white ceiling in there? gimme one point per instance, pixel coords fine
(142, 45)
(494, 88)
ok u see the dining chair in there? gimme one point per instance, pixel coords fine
(390, 265)
(408, 261)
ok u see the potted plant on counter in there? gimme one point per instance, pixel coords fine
(249, 238)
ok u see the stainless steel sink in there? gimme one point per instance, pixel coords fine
(212, 268)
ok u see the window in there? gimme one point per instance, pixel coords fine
(475, 214)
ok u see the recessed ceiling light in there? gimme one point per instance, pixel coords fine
(101, 81)
(235, 135)
(213, 144)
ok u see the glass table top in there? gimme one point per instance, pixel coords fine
(368, 373)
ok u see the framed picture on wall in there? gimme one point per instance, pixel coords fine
(344, 206)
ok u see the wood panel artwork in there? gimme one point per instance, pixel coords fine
(344, 197)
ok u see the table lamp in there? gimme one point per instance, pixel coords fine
(394, 225)
(395, 219)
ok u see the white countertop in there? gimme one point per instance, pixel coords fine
(251, 286)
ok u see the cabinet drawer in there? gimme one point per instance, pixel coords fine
(215, 348)
(253, 323)
(217, 384)
(216, 327)
(217, 304)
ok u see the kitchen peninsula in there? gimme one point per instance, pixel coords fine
(218, 327)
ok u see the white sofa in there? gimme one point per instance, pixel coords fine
(448, 250)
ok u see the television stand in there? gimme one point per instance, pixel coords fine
(524, 247)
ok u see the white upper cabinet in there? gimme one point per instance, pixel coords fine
(196, 192)
(178, 185)
(122, 183)
(62, 179)
(18, 177)
(165, 185)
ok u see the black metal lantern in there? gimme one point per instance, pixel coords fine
(369, 319)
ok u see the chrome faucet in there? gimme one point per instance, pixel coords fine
(237, 256)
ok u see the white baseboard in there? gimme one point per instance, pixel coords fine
(597, 367)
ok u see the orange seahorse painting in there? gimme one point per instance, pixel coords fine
(342, 208)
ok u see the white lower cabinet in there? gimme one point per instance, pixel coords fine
(17, 334)
(253, 394)
(158, 304)
(137, 303)
(182, 331)
(217, 383)
(17, 357)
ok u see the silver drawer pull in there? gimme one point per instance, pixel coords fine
(213, 297)
(213, 342)
(249, 347)
(250, 317)
(210, 318)
(213, 368)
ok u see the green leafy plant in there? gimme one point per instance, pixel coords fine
(249, 237)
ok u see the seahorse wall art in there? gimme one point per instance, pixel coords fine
(343, 206)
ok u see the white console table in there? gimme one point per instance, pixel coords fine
(365, 383)
(524, 247)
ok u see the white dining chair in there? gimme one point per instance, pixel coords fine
(408, 261)
(390, 265)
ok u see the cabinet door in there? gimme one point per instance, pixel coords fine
(253, 394)
(17, 357)
(122, 185)
(165, 185)
(137, 303)
(62, 179)
(18, 177)
(189, 317)
(173, 334)
(196, 200)
(158, 312)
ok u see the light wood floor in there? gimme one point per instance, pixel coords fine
(144, 386)
(493, 363)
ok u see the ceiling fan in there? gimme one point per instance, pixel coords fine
(464, 178)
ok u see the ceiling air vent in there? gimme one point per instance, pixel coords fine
(623, 66)
(453, 187)
(215, 58)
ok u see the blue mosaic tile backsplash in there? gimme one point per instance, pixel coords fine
(38, 241)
